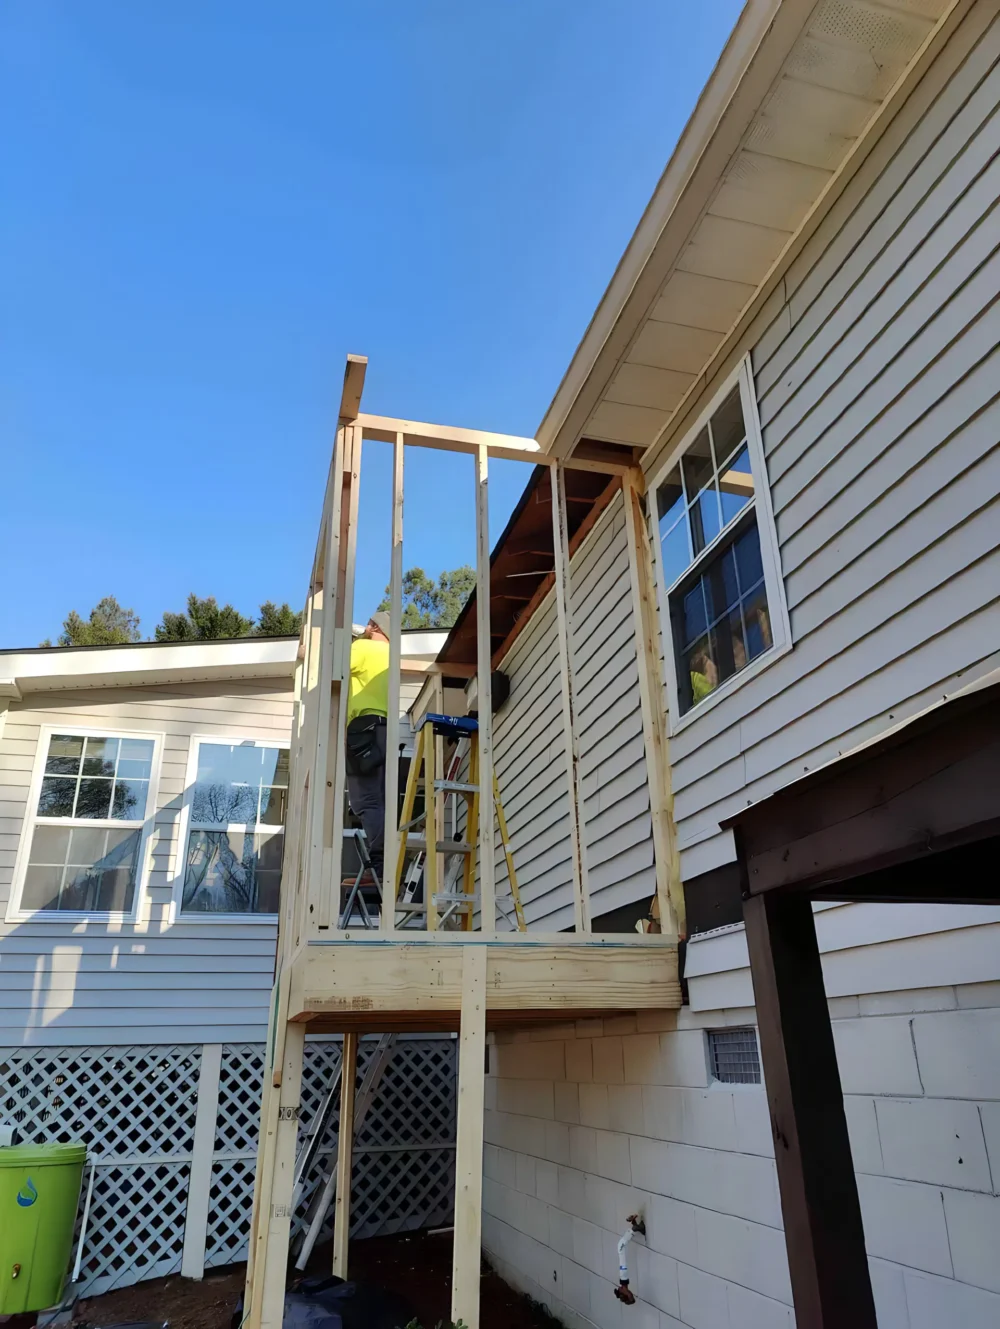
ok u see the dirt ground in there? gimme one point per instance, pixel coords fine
(415, 1266)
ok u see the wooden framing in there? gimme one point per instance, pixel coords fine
(396, 979)
(345, 1155)
(567, 678)
(469, 1140)
(669, 890)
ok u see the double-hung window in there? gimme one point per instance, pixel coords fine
(84, 846)
(722, 595)
(235, 837)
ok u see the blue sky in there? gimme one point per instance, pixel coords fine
(205, 205)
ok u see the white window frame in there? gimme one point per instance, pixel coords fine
(15, 913)
(199, 918)
(774, 584)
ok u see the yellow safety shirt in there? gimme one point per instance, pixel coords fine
(369, 679)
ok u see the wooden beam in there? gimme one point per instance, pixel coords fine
(652, 701)
(354, 384)
(831, 1287)
(451, 439)
(391, 839)
(567, 678)
(487, 862)
(370, 978)
(345, 1155)
(467, 1253)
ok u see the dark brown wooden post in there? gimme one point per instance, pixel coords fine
(824, 1237)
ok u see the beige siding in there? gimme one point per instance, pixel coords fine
(877, 389)
(530, 755)
(64, 982)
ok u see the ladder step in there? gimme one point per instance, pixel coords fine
(457, 898)
(443, 846)
(455, 787)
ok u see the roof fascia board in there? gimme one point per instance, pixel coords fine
(736, 341)
(63, 670)
(746, 70)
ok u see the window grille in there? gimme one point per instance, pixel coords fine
(734, 1056)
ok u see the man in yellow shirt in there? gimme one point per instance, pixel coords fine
(367, 709)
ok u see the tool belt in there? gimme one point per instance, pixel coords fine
(364, 752)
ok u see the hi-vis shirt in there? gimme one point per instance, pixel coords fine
(369, 679)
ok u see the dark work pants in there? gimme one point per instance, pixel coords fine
(367, 798)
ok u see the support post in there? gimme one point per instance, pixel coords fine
(652, 700)
(202, 1149)
(266, 1275)
(564, 621)
(345, 1155)
(831, 1286)
(391, 841)
(484, 652)
(467, 1252)
(339, 596)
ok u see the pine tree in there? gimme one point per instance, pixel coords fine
(108, 625)
(205, 620)
(434, 604)
(278, 621)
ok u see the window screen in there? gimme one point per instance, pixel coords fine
(733, 1055)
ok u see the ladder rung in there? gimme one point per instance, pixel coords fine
(459, 899)
(455, 787)
(443, 846)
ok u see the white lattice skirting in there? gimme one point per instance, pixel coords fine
(173, 1135)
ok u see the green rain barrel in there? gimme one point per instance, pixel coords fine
(39, 1194)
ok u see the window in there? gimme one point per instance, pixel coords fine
(235, 838)
(87, 830)
(733, 1055)
(723, 599)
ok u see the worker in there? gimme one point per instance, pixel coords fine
(367, 712)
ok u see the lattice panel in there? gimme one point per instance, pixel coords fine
(240, 1081)
(136, 1225)
(400, 1184)
(121, 1102)
(230, 1210)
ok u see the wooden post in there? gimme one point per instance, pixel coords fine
(340, 596)
(484, 689)
(391, 842)
(564, 623)
(345, 1155)
(202, 1149)
(432, 860)
(272, 1228)
(467, 1253)
(652, 699)
(831, 1286)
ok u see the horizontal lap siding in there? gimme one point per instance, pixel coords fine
(147, 982)
(878, 386)
(529, 749)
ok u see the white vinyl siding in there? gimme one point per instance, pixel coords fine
(143, 981)
(877, 385)
(529, 753)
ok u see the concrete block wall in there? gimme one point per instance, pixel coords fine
(589, 1122)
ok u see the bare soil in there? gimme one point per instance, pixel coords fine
(415, 1266)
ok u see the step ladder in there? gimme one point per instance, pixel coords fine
(455, 896)
(327, 1193)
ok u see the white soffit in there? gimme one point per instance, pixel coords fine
(831, 83)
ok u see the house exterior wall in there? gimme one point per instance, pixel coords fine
(875, 369)
(876, 372)
(589, 1123)
(69, 983)
(529, 750)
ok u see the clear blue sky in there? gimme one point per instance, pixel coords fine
(204, 205)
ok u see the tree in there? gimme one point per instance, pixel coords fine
(205, 620)
(278, 621)
(108, 625)
(434, 604)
